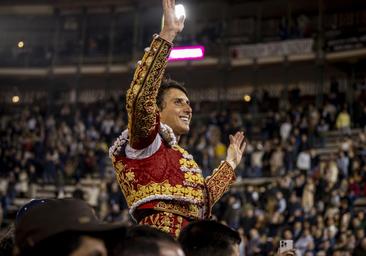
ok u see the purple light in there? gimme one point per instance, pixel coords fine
(187, 53)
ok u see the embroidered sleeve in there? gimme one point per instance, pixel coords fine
(143, 118)
(218, 183)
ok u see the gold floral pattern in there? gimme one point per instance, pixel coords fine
(124, 183)
(219, 182)
(164, 189)
(188, 163)
(194, 178)
(165, 221)
(130, 176)
(141, 97)
(193, 190)
(188, 210)
(118, 166)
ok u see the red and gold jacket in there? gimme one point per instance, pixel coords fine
(161, 182)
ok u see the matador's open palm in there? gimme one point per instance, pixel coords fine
(236, 149)
(171, 25)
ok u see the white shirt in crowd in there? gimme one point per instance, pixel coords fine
(285, 130)
(304, 161)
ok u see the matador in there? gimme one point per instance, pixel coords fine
(162, 183)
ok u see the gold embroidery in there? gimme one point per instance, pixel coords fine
(185, 161)
(189, 210)
(154, 189)
(130, 176)
(123, 182)
(165, 221)
(219, 182)
(119, 166)
(141, 97)
(191, 194)
(180, 149)
(193, 177)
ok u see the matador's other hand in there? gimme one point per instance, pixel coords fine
(236, 149)
(171, 25)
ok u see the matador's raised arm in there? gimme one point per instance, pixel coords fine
(143, 116)
(224, 176)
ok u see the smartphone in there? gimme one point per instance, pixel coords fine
(286, 245)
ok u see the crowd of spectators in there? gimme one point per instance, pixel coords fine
(312, 203)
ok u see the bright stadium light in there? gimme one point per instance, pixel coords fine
(15, 99)
(180, 11)
(20, 44)
(247, 98)
(187, 53)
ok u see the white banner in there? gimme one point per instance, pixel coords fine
(274, 49)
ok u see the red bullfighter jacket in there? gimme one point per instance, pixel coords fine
(161, 182)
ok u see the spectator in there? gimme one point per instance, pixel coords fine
(343, 121)
(308, 196)
(216, 149)
(232, 212)
(305, 242)
(254, 242)
(276, 162)
(285, 129)
(39, 231)
(304, 162)
(257, 161)
(281, 202)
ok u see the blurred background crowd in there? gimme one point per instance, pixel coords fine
(301, 193)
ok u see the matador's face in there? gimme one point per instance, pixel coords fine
(177, 112)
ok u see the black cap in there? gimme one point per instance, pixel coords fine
(55, 216)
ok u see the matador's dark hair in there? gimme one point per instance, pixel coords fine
(167, 84)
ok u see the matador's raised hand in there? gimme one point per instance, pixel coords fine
(171, 24)
(236, 149)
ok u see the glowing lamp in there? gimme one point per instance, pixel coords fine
(20, 44)
(247, 98)
(15, 99)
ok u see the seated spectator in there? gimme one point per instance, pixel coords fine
(209, 238)
(305, 242)
(63, 227)
(343, 121)
(303, 162)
